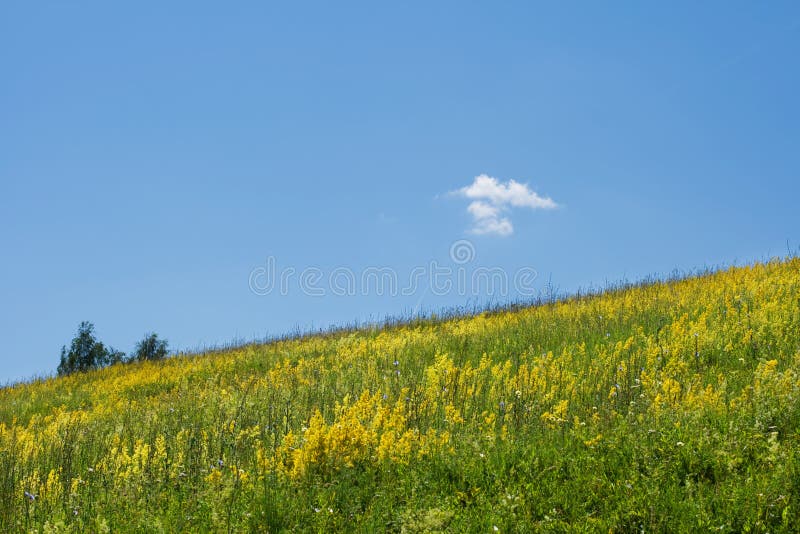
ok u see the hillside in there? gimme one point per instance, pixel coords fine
(672, 406)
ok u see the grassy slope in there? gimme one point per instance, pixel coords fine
(668, 407)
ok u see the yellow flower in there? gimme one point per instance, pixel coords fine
(214, 477)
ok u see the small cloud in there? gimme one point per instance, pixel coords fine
(488, 219)
(491, 199)
(483, 210)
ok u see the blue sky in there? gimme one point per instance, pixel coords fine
(153, 158)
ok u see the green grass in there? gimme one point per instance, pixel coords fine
(666, 407)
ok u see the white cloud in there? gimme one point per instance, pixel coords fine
(492, 198)
(482, 210)
(495, 226)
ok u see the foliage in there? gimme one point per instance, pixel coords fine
(86, 353)
(668, 407)
(150, 348)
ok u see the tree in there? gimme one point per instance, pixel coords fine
(86, 353)
(150, 348)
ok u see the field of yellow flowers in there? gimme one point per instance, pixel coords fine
(668, 406)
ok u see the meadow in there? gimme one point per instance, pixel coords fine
(668, 406)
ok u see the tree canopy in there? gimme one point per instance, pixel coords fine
(150, 348)
(86, 353)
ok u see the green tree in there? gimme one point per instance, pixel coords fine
(86, 352)
(150, 348)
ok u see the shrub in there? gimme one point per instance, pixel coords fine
(86, 352)
(150, 348)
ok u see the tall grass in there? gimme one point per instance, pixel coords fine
(671, 406)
